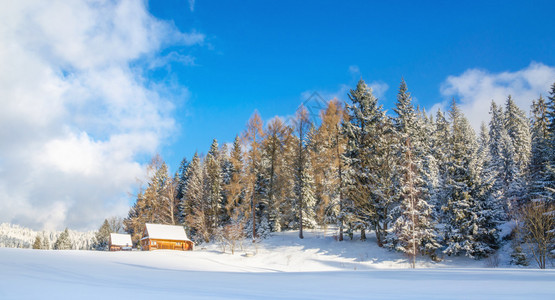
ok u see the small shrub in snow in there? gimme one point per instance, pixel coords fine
(493, 260)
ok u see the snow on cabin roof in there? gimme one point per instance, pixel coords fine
(166, 232)
(118, 239)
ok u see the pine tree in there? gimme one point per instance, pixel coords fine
(518, 129)
(103, 236)
(413, 229)
(370, 158)
(181, 187)
(63, 242)
(503, 165)
(45, 242)
(194, 208)
(540, 153)
(551, 148)
(441, 151)
(38, 242)
(464, 229)
(213, 186)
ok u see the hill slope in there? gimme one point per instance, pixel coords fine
(281, 267)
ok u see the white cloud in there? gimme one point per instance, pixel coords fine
(475, 88)
(192, 5)
(354, 70)
(76, 112)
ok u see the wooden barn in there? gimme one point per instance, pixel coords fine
(120, 242)
(170, 237)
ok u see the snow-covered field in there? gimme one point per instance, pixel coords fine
(282, 266)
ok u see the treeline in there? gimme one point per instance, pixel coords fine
(14, 236)
(424, 184)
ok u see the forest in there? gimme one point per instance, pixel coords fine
(424, 184)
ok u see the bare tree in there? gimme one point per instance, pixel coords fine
(538, 230)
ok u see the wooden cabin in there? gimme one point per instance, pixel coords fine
(120, 242)
(169, 237)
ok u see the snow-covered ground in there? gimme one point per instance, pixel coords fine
(282, 266)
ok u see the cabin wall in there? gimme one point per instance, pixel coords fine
(154, 244)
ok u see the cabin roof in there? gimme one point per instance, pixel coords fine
(118, 239)
(165, 232)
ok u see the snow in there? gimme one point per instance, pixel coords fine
(282, 266)
(166, 232)
(16, 236)
(118, 239)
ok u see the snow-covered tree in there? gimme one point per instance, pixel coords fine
(413, 229)
(253, 136)
(369, 156)
(518, 130)
(194, 206)
(303, 178)
(63, 242)
(325, 150)
(273, 148)
(103, 236)
(213, 187)
(463, 227)
(540, 175)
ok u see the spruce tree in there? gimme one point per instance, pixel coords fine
(463, 228)
(193, 204)
(518, 130)
(213, 186)
(551, 145)
(45, 242)
(503, 165)
(63, 242)
(369, 156)
(413, 228)
(103, 236)
(540, 153)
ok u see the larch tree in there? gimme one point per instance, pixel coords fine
(326, 156)
(303, 178)
(37, 244)
(273, 146)
(235, 189)
(253, 136)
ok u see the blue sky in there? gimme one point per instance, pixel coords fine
(267, 55)
(91, 89)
